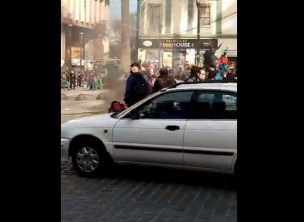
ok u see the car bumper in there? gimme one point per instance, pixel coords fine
(65, 148)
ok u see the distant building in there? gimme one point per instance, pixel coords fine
(84, 27)
(168, 30)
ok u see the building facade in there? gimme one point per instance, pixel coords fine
(167, 30)
(84, 27)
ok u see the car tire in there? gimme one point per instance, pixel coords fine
(89, 159)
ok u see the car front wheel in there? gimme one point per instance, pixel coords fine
(88, 159)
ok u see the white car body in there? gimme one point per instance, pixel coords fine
(203, 144)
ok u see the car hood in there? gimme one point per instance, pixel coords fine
(96, 121)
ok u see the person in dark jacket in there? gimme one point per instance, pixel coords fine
(72, 79)
(163, 80)
(132, 93)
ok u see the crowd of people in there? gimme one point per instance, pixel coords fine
(73, 79)
(142, 80)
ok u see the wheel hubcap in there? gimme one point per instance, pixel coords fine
(87, 159)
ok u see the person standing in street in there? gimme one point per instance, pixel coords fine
(163, 80)
(195, 75)
(147, 70)
(137, 86)
(72, 80)
(79, 78)
(202, 74)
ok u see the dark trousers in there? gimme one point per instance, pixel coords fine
(73, 84)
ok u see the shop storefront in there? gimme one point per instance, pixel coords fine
(172, 53)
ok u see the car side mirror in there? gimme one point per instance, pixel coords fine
(134, 114)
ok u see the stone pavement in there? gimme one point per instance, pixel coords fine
(90, 105)
(146, 194)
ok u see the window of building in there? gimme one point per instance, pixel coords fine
(168, 16)
(190, 15)
(205, 15)
(154, 19)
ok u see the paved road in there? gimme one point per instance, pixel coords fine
(145, 194)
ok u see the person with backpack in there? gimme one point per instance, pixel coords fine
(137, 86)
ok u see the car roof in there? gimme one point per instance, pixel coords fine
(224, 85)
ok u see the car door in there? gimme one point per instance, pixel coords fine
(211, 130)
(157, 135)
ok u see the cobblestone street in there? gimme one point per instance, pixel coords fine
(147, 194)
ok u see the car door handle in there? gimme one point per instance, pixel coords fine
(172, 127)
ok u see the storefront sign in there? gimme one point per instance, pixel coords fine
(177, 44)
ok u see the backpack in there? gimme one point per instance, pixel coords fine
(141, 85)
(116, 106)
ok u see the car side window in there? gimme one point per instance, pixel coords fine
(171, 105)
(213, 105)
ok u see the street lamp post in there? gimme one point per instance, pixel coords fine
(81, 49)
(198, 32)
(137, 28)
(159, 40)
(98, 56)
